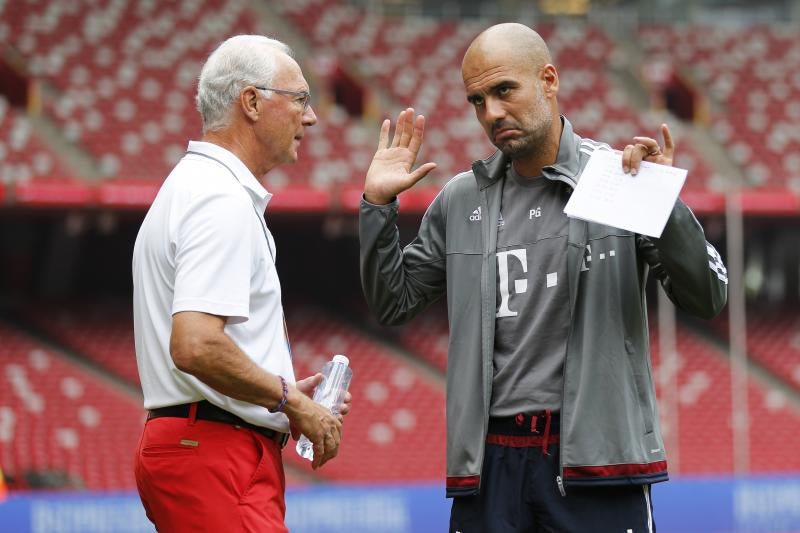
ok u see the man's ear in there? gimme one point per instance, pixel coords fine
(249, 102)
(550, 77)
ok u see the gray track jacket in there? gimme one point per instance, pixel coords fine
(609, 423)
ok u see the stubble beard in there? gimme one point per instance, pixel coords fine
(532, 145)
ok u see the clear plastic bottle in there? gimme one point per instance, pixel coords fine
(336, 376)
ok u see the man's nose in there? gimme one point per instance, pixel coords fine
(494, 110)
(309, 117)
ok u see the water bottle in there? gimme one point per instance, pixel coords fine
(336, 376)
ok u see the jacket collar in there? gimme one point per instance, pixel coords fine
(489, 171)
(567, 165)
(566, 168)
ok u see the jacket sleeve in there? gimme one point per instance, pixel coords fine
(398, 284)
(689, 268)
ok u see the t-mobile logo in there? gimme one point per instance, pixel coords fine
(520, 285)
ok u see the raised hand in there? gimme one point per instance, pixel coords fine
(390, 173)
(647, 149)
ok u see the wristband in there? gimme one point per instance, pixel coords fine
(284, 397)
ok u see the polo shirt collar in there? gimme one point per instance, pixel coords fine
(242, 173)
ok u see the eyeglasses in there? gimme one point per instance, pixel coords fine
(301, 97)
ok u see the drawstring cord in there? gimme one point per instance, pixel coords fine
(546, 437)
(520, 419)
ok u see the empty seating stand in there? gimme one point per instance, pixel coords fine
(773, 341)
(704, 418)
(57, 417)
(753, 87)
(102, 333)
(125, 93)
(23, 154)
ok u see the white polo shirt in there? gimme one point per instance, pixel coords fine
(204, 246)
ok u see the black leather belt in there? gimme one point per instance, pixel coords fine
(209, 411)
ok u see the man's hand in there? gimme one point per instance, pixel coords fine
(390, 173)
(316, 422)
(307, 386)
(647, 149)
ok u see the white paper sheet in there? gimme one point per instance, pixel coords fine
(640, 203)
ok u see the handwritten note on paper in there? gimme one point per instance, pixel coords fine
(640, 203)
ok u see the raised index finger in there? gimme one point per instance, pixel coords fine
(383, 138)
(669, 143)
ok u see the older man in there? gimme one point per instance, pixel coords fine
(211, 343)
(551, 415)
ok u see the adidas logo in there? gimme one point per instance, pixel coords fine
(476, 215)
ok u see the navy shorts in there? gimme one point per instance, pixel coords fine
(519, 492)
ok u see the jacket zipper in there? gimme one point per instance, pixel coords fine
(560, 476)
(486, 273)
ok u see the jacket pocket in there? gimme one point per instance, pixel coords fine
(641, 384)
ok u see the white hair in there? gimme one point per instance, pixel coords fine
(239, 61)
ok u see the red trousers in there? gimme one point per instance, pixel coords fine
(196, 475)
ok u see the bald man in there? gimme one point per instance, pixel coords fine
(551, 410)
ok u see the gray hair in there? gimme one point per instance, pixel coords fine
(240, 61)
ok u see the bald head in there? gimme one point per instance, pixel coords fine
(516, 43)
(511, 83)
